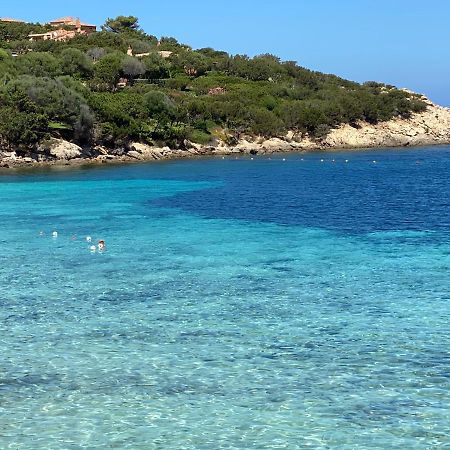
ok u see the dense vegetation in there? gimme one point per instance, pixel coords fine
(89, 90)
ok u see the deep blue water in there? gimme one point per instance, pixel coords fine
(283, 302)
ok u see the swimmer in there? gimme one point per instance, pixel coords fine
(101, 245)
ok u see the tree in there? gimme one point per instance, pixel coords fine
(21, 128)
(132, 67)
(111, 42)
(15, 31)
(75, 63)
(264, 122)
(108, 69)
(43, 100)
(171, 44)
(194, 64)
(140, 45)
(96, 53)
(39, 64)
(156, 67)
(159, 106)
(84, 124)
(121, 24)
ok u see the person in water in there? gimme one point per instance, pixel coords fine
(101, 245)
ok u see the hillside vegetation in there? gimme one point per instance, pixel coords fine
(90, 91)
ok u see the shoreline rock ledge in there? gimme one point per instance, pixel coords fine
(431, 127)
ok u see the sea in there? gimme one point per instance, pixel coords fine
(291, 301)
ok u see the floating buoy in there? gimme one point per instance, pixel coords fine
(55, 234)
(88, 239)
(284, 159)
(346, 160)
(321, 160)
(93, 248)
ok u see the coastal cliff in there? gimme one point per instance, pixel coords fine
(431, 127)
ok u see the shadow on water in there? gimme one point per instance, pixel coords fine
(396, 193)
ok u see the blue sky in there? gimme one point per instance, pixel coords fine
(402, 42)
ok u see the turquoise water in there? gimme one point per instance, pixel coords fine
(239, 304)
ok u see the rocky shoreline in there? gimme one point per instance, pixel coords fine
(431, 127)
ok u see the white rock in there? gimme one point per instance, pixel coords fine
(134, 154)
(245, 146)
(146, 151)
(429, 127)
(60, 149)
(276, 145)
(139, 147)
(290, 135)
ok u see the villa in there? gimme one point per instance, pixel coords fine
(72, 22)
(68, 28)
(57, 35)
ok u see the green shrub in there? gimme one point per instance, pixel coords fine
(199, 136)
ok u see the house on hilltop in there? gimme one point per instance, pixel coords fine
(75, 23)
(68, 28)
(57, 35)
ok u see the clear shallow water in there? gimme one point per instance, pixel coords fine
(240, 304)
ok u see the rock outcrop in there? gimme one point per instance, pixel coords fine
(427, 128)
(146, 152)
(60, 149)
